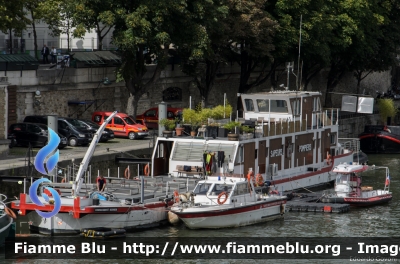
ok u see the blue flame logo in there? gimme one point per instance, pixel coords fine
(51, 162)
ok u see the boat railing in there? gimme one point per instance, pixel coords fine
(279, 126)
(352, 144)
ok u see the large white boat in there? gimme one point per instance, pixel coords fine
(78, 210)
(227, 202)
(295, 144)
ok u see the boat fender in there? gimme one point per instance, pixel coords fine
(127, 173)
(225, 194)
(10, 212)
(176, 197)
(146, 170)
(282, 209)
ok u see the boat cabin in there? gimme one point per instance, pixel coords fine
(294, 137)
(224, 192)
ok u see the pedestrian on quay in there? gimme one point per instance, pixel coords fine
(45, 53)
(53, 53)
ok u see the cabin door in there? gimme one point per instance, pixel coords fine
(261, 156)
(161, 157)
(249, 157)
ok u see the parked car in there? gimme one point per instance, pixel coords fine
(150, 117)
(23, 134)
(68, 127)
(122, 125)
(93, 127)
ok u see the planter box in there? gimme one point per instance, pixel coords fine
(222, 132)
(212, 131)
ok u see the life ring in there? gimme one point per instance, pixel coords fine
(225, 194)
(328, 159)
(127, 173)
(63, 180)
(146, 170)
(10, 212)
(176, 197)
(259, 180)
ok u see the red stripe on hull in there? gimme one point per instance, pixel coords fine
(358, 201)
(380, 136)
(314, 173)
(229, 211)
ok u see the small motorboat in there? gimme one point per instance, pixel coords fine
(7, 217)
(349, 189)
(220, 202)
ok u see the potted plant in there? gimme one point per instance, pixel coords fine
(178, 128)
(247, 132)
(230, 126)
(169, 125)
(193, 118)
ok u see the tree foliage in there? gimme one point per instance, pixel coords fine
(12, 19)
(93, 14)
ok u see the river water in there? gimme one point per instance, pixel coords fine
(377, 221)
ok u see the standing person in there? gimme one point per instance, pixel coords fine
(45, 53)
(101, 183)
(53, 53)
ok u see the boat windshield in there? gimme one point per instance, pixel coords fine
(342, 179)
(202, 188)
(219, 188)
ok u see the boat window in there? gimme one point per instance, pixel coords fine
(219, 188)
(279, 106)
(333, 138)
(316, 104)
(296, 107)
(342, 179)
(249, 104)
(202, 188)
(240, 154)
(242, 188)
(263, 105)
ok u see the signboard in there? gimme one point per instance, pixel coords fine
(357, 104)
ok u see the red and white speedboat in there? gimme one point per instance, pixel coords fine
(98, 210)
(220, 202)
(349, 189)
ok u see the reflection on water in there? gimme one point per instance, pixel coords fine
(377, 221)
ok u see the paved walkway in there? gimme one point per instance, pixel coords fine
(120, 145)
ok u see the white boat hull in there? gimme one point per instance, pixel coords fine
(231, 215)
(64, 223)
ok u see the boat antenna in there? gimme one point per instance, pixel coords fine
(298, 59)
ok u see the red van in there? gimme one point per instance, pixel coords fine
(122, 125)
(150, 117)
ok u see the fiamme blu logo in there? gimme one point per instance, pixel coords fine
(46, 157)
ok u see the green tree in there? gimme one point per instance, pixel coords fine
(251, 40)
(205, 69)
(94, 14)
(58, 15)
(369, 31)
(12, 19)
(146, 29)
(34, 7)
